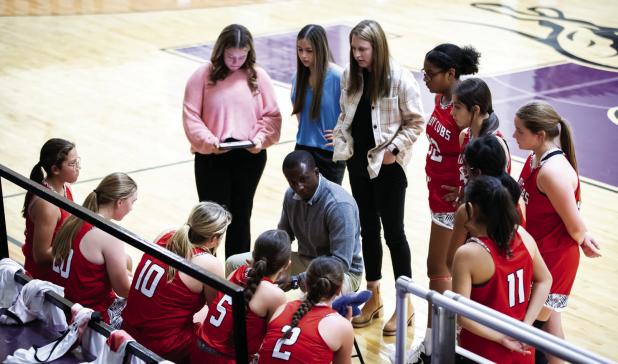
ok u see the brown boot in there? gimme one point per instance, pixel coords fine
(390, 328)
(372, 309)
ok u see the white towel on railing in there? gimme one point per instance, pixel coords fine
(114, 350)
(31, 305)
(9, 289)
(56, 348)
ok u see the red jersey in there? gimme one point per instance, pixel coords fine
(507, 291)
(441, 163)
(84, 282)
(543, 222)
(159, 313)
(558, 249)
(304, 345)
(218, 328)
(35, 270)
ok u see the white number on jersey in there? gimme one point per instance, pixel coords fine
(285, 355)
(147, 285)
(516, 286)
(216, 322)
(64, 266)
(434, 151)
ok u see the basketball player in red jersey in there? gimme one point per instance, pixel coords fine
(162, 301)
(500, 267)
(551, 192)
(271, 256)
(309, 330)
(60, 163)
(89, 263)
(441, 71)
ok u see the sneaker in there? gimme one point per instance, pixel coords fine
(416, 355)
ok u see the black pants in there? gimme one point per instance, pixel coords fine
(332, 171)
(381, 199)
(230, 179)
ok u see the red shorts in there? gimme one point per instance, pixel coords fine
(562, 265)
(436, 194)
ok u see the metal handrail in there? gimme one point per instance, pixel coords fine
(158, 252)
(497, 321)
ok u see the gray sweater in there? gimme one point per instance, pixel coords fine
(326, 225)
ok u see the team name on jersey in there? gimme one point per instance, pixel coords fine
(524, 194)
(439, 128)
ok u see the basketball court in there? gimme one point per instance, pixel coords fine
(110, 76)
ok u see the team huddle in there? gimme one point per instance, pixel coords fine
(511, 245)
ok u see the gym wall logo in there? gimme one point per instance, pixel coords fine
(612, 114)
(580, 40)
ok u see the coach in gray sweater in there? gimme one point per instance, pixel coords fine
(322, 216)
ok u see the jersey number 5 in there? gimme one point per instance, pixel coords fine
(285, 355)
(146, 283)
(216, 321)
(516, 286)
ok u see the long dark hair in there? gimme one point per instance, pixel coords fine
(323, 281)
(486, 155)
(233, 36)
(316, 35)
(475, 92)
(465, 61)
(271, 253)
(496, 210)
(53, 153)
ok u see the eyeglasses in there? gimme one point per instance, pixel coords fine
(429, 75)
(76, 163)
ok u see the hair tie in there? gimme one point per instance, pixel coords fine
(96, 192)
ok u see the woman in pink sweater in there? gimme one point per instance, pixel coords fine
(231, 99)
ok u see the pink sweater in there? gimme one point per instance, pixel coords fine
(228, 109)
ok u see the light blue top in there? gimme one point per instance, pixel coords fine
(311, 132)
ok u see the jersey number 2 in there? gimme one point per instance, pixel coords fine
(516, 286)
(285, 355)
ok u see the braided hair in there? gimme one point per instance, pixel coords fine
(271, 252)
(324, 279)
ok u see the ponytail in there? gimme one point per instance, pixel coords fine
(464, 60)
(490, 125)
(113, 187)
(324, 279)
(206, 220)
(540, 116)
(270, 254)
(566, 143)
(53, 153)
(496, 209)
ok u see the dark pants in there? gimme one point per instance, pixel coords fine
(332, 171)
(230, 179)
(381, 199)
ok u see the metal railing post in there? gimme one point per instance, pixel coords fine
(443, 335)
(400, 338)
(4, 239)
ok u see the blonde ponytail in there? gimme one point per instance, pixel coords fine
(206, 220)
(113, 187)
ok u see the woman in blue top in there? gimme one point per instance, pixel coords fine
(315, 96)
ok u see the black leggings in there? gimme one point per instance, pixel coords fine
(381, 199)
(230, 179)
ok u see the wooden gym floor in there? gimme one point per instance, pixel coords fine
(110, 76)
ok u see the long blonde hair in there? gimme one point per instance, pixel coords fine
(540, 116)
(371, 31)
(206, 220)
(113, 187)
